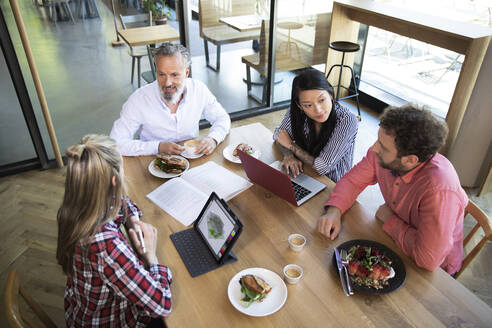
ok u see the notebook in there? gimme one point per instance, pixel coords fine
(207, 245)
(294, 190)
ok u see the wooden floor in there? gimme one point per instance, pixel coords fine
(29, 201)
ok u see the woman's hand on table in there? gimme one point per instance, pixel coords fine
(329, 223)
(291, 165)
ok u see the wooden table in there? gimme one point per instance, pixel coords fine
(431, 299)
(469, 39)
(141, 36)
(242, 23)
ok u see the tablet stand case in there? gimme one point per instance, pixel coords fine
(195, 254)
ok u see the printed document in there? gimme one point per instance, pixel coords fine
(184, 197)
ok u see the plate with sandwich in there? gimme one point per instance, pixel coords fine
(168, 166)
(257, 292)
(230, 152)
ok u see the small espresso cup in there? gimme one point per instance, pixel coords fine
(297, 242)
(191, 145)
(292, 273)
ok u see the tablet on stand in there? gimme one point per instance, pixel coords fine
(207, 245)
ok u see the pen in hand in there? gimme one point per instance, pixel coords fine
(138, 230)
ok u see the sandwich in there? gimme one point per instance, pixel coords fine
(244, 148)
(254, 289)
(170, 164)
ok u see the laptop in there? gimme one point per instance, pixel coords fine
(207, 245)
(296, 190)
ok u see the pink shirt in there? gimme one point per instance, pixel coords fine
(428, 203)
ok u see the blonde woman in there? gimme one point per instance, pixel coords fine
(109, 284)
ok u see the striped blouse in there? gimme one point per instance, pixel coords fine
(337, 156)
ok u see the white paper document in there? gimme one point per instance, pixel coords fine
(184, 197)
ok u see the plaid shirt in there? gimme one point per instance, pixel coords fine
(110, 286)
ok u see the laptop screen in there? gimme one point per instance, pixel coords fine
(217, 227)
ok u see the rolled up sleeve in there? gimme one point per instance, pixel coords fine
(219, 119)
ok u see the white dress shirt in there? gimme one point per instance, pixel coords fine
(146, 110)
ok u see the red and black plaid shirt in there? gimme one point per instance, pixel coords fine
(110, 286)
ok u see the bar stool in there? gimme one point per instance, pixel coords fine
(345, 46)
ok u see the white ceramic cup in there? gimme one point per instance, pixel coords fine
(297, 242)
(292, 273)
(191, 145)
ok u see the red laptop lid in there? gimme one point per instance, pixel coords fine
(266, 176)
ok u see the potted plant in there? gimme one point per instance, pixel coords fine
(160, 12)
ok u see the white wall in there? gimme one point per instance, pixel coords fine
(472, 150)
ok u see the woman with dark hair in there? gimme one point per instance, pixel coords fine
(316, 131)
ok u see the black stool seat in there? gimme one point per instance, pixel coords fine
(344, 46)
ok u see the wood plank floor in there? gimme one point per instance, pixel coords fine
(29, 201)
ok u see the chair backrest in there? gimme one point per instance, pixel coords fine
(136, 20)
(483, 221)
(209, 11)
(17, 319)
(150, 52)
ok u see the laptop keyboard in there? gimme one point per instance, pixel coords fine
(193, 251)
(195, 254)
(300, 191)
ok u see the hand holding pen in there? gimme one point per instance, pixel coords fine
(138, 230)
(136, 218)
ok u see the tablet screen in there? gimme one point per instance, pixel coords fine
(217, 227)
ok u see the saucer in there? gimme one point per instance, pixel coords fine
(191, 156)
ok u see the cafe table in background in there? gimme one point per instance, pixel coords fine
(426, 299)
(141, 36)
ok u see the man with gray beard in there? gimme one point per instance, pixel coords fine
(169, 110)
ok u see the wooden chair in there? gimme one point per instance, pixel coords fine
(52, 6)
(259, 61)
(150, 76)
(311, 49)
(482, 221)
(136, 52)
(217, 33)
(15, 318)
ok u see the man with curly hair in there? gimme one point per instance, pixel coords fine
(424, 202)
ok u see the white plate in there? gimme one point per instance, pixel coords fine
(161, 174)
(191, 156)
(271, 304)
(227, 152)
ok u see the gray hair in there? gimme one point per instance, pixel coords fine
(168, 49)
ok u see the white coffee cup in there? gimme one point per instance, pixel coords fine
(191, 145)
(297, 242)
(292, 273)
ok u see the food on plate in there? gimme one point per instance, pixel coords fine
(254, 288)
(170, 164)
(369, 267)
(244, 148)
